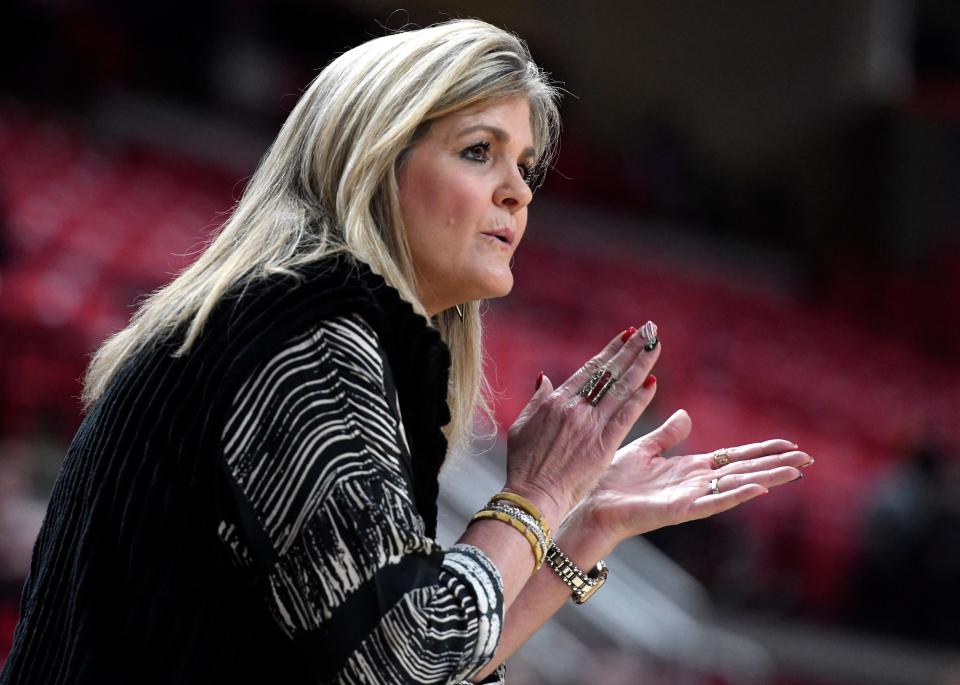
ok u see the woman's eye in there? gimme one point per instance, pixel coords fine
(526, 172)
(477, 153)
(480, 153)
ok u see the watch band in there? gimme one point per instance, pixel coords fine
(583, 585)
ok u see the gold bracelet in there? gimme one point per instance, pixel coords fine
(527, 520)
(519, 526)
(526, 505)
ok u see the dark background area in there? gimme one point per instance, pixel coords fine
(778, 181)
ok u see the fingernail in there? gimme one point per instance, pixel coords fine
(649, 382)
(803, 466)
(539, 381)
(649, 333)
(627, 333)
(798, 477)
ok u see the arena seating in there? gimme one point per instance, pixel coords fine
(88, 228)
(91, 225)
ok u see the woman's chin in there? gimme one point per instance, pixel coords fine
(488, 286)
(500, 286)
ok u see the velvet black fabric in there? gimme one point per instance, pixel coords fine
(129, 582)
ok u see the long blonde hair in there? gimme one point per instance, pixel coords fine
(328, 184)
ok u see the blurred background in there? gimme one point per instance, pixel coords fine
(775, 184)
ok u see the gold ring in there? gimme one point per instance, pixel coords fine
(721, 456)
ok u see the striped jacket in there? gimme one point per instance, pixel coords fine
(262, 509)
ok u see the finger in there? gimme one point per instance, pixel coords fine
(794, 458)
(758, 449)
(767, 479)
(619, 418)
(540, 395)
(708, 505)
(572, 385)
(669, 434)
(633, 364)
(620, 357)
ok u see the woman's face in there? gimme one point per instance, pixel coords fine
(463, 199)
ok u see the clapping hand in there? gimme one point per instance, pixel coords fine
(643, 490)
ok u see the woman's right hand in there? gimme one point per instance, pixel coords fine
(560, 444)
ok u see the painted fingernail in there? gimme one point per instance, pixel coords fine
(539, 381)
(649, 333)
(627, 333)
(649, 382)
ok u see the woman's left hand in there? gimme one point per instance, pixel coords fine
(642, 490)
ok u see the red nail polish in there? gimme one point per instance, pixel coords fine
(651, 379)
(539, 381)
(627, 333)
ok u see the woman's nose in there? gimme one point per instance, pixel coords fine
(513, 193)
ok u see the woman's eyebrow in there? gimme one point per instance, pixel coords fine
(498, 133)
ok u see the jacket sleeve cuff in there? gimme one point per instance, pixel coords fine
(498, 677)
(483, 580)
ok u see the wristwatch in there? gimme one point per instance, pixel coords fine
(584, 585)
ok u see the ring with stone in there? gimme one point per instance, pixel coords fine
(721, 457)
(597, 385)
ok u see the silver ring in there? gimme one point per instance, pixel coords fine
(597, 385)
(721, 457)
(715, 486)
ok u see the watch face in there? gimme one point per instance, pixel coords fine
(582, 584)
(588, 592)
(598, 576)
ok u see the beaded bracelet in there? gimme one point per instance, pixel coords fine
(526, 505)
(543, 541)
(523, 523)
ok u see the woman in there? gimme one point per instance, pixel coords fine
(252, 495)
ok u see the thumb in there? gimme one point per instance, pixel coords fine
(670, 433)
(543, 389)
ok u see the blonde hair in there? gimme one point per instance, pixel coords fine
(328, 185)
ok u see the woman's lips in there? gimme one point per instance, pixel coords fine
(497, 241)
(503, 235)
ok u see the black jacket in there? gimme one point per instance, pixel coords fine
(130, 580)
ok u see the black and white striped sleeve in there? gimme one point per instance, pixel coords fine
(317, 461)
